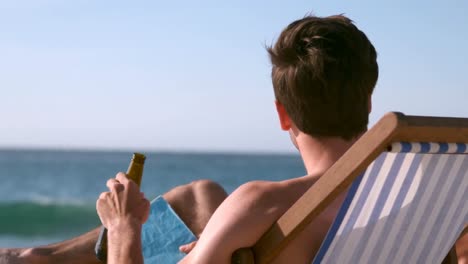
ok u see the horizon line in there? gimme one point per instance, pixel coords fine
(146, 150)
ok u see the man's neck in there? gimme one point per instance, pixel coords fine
(319, 154)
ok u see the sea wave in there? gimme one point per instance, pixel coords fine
(39, 218)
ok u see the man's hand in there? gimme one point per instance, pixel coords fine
(124, 204)
(122, 211)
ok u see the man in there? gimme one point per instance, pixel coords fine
(324, 72)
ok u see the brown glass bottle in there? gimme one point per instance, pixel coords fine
(134, 173)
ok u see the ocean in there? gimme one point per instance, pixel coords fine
(48, 196)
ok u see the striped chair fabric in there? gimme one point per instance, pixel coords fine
(409, 206)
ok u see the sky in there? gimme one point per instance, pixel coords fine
(195, 76)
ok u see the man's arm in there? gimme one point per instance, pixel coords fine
(124, 243)
(122, 211)
(240, 221)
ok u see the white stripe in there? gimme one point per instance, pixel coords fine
(452, 148)
(396, 147)
(418, 177)
(374, 194)
(404, 245)
(429, 222)
(384, 256)
(443, 231)
(403, 172)
(364, 216)
(396, 187)
(416, 147)
(339, 233)
(434, 147)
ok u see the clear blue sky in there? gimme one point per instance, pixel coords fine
(194, 75)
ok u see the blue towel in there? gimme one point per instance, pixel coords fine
(163, 233)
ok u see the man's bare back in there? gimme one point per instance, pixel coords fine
(304, 248)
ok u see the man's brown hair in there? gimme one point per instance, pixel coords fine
(324, 71)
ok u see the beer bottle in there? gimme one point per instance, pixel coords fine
(134, 173)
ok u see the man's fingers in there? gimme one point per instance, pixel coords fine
(101, 203)
(104, 195)
(114, 185)
(188, 247)
(111, 182)
(122, 178)
(146, 205)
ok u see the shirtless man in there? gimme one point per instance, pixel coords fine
(324, 72)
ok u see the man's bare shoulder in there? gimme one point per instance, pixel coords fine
(274, 195)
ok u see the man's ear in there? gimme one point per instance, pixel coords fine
(283, 116)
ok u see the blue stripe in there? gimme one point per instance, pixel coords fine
(406, 147)
(413, 205)
(390, 225)
(410, 251)
(443, 148)
(442, 213)
(356, 211)
(389, 180)
(338, 220)
(461, 147)
(425, 147)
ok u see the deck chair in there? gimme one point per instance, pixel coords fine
(407, 200)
